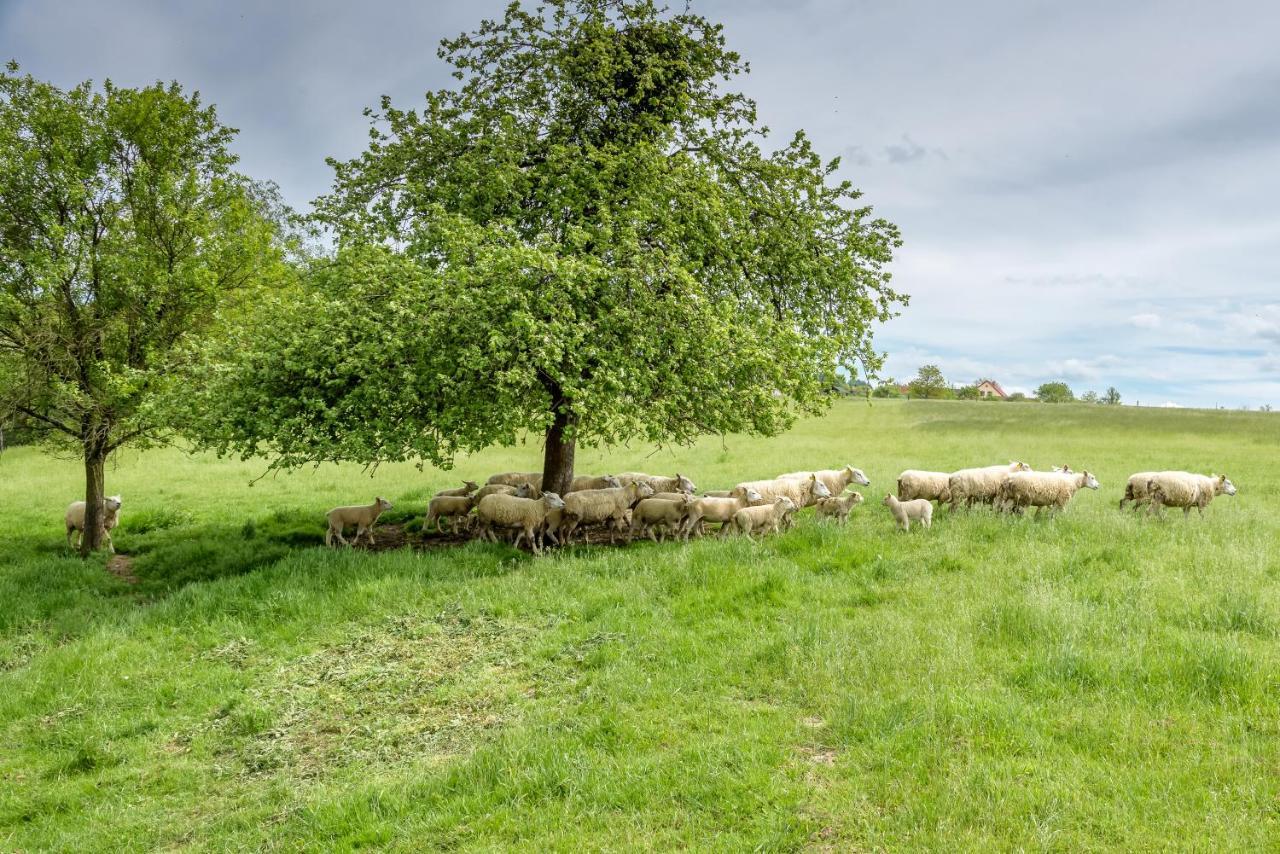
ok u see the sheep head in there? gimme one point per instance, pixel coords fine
(857, 476)
(683, 484)
(552, 501)
(383, 504)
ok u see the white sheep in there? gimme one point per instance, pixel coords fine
(1186, 490)
(363, 516)
(1041, 489)
(835, 480)
(528, 515)
(803, 493)
(1135, 489)
(930, 485)
(109, 519)
(524, 490)
(767, 518)
(665, 514)
(600, 505)
(838, 507)
(586, 481)
(716, 508)
(455, 508)
(660, 484)
(468, 487)
(968, 486)
(515, 478)
(918, 509)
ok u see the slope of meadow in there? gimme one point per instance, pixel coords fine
(1097, 680)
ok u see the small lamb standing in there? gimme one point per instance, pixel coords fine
(718, 508)
(1186, 490)
(665, 514)
(838, 508)
(110, 518)
(455, 508)
(904, 512)
(363, 516)
(766, 518)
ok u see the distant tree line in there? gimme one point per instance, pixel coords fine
(929, 383)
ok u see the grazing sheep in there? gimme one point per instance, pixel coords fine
(803, 493)
(1040, 489)
(930, 485)
(601, 505)
(918, 509)
(455, 508)
(835, 480)
(838, 507)
(528, 515)
(468, 487)
(515, 478)
(109, 519)
(666, 514)
(660, 484)
(766, 518)
(715, 508)
(363, 516)
(968, 486)
(1186, 490)
(586, 481)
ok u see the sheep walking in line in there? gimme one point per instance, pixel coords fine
(601, 505)
(1186, 490)
(524, 490)
(979, 485)
(1052, 490)
(587, 481)
(838, 507)
(720, 509)
(803, 493)
(660, 484)
(362, 516)
(663, 514)
(515, 478)
(835, 480)
(930, 485)
(468, 487)
(527, 515)
(110, 518)
(904, 512)
(766, 518)
(455, 508)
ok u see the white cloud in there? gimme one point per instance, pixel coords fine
(1146, 321)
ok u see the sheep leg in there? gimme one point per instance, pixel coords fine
(111, 546)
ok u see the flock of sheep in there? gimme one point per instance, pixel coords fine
(634, 504)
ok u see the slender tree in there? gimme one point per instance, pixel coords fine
(1112, 397)
(122, 223)
(585, 239)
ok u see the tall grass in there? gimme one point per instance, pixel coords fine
(1097, 680)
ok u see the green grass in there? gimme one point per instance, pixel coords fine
(1098, 680)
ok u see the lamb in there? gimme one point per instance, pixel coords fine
(838, 508)
(363, 516)
(468, 487)
(1039, 489)
(836, 480)
(930, 485)
(918, 509)
(529, 515)
(803, 493)
(663, 513)
(600, 505)
(455, 508)
(585, 482)
(679, 483)
(515, 478)
(979, 484)
(1186, 490)
(766, 518)
(718, 509)
(110, 518)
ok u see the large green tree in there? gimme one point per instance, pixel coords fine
(586, 238)
(122, 224)
(1055, 392)
(929, 383)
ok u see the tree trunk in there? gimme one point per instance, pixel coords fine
(557, 461)
(95, 466)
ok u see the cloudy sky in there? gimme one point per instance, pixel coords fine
(1089, 191)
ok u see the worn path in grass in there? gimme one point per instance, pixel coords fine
(1100, 680)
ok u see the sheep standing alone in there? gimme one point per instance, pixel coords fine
(766, 518)
(968, 486)
(109, 519)
(1040, 489)
(601, 505)
(835, 480)
(904, 512)
(711, 508)
(1186, 490)
(838, 507)
(666, 514)
(363, 516)
(929, 485)
(455, 508)
(528, 515)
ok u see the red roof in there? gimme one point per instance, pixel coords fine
(995, 385)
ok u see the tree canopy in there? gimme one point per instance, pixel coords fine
(1054, 392)
(586, 237)
(123, 224)
(929, 383)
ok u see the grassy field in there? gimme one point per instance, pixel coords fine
(1098, 680)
